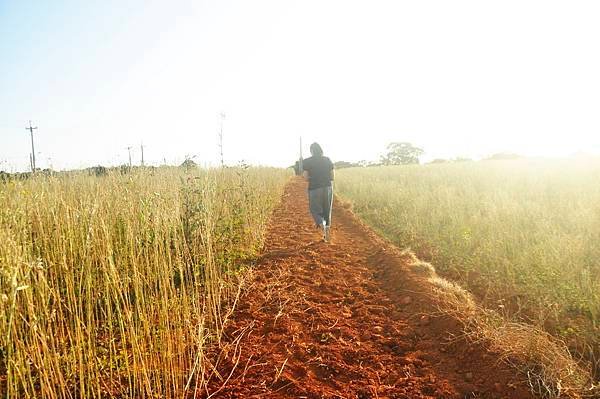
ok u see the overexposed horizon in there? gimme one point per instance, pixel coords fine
(458, 79)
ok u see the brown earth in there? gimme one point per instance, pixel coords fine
(346, 319)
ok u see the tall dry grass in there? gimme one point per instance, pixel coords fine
(522, 235)
(115, 285)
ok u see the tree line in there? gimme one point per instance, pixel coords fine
(404, 153)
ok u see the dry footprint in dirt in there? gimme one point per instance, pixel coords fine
(346, 320)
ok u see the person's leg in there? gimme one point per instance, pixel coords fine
(316, 205)
(327, 203)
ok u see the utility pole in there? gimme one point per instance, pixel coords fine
(129, 152)
(32, 157)
(142, 148)
(222, 115)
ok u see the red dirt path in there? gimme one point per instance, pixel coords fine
(332, 320)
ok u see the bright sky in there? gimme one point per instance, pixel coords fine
(458, 78)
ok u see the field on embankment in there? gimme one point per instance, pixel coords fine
(522, 235)
(113, 286)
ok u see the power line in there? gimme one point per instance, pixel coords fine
(32, 156)
(222, 115)
(129, 152)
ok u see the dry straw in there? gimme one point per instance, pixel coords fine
(116, 285)
(551, 369)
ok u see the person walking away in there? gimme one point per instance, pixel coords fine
(318, 170)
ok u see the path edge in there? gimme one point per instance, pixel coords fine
(542, 359)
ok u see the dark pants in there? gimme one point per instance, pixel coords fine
(320, 200)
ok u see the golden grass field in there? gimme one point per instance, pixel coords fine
(117, 285)
(114, 285)
(522, 235)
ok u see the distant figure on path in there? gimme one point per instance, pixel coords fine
(318, 170)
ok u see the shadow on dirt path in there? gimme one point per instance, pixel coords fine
(346, 320)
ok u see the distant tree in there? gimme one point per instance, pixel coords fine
(462, 159)
(188, 164)
(124, 169)
(344, 164)
(97, 171)
(503, 156)
(401, 154)
(439, 160)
